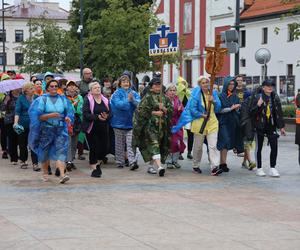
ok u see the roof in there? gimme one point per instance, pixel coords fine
(258, 8)
(35, 11)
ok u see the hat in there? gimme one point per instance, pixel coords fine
(268, 82)
(11, 71)
(70, 83)
(5, 77)
(154, 80)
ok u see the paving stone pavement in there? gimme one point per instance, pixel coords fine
(134, 210)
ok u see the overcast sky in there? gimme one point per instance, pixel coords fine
(62, 3)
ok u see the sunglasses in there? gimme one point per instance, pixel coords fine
(53, 86)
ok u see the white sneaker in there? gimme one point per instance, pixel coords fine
(260, 172)
(273, 172)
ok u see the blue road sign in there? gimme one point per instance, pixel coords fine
(163, 43)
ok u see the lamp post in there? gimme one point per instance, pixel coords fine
(81, 37)
(237, 27)
(3, 38)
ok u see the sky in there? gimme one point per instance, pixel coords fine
(65, 4)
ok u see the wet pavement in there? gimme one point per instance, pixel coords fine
(135, 210)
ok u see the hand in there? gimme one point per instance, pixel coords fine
(158, 113)
(161, 106)
(204, 116)
(130, 97)
(15, 124)
(103, 116)
(67, 120)
(211, 98)
(260, 102)
(282, 132)
(53, 115)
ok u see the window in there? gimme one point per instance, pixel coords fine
(2, 35)
(243, 62)
(243, 39)
(19, 36)
(291, 32)
(19, 58)
(188, 71)
(2, 58)
(290, 69)
(187, 18)
(264, 36)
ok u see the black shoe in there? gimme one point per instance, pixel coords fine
(81, 157)
(49, 170)
(197, 170)
(97, 172)
(216, 171)
(105, 160)
(57, 172)
(120, 166)
(189, 156)
(180, 157)
(134, 166)
(126, 163)
(224, 167)
(69, 166)
(73, 166)
(4, 155)
(161, 171)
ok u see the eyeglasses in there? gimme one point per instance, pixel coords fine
(53, 86)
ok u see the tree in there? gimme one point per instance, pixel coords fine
(118, 40)
(49, 47)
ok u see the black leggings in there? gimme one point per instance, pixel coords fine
(23, 145)
(12, 143)
(273, 141)
(190, 140)
(3, 135)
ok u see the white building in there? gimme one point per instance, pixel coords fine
(16, 28)
(260, 21)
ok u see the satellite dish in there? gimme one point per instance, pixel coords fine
(263, 56)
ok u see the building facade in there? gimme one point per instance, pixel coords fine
(16, 19)
(265, 27)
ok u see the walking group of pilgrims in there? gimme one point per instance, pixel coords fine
(56, 118)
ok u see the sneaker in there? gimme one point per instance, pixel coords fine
(273, 172)
(161, 171)
(216, 171)
(105, 160)
(170, 166)
(260, 172)
(126, 163)
(4, 155)
(245, 165)
(14, 162)
(49, 170)
(197, 170)
(151, 170)
(189, 156)
(180, 157)
(57, 172)
(64, 179)
(133, 166)
(69, 166)
(252, 165)
(177, 165)
(73, 166)
(36, 167)
(81, 157)
(240, 154)
(97, 172)
(24, 165)
(224, 167)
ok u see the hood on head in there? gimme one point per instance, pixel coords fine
(227, 80)
(181, 80)
(5, 77)
(48, 73)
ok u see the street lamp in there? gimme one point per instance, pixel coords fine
(3, 37)
(80, 29)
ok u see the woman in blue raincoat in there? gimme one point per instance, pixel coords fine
(230, 134)
(50, 117)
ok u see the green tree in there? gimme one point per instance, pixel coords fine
(49, 47)
(118, 40)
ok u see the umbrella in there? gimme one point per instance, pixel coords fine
(41, 76)
(9, 85)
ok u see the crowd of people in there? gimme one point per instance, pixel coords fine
(55, 118)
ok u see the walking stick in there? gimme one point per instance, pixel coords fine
(213, 65)
(161, 87)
